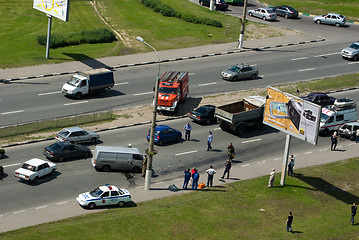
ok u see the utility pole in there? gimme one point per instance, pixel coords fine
(241, 35)
(211, 5)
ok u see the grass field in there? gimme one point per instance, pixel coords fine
(319, 197)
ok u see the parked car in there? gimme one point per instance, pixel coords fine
(77, 135)
(103, 196)
(203, 114)
(34, 169)
(219, 4)
(320, 98)
(331, 19)
(165, 134)
(348, 130)
(286, 11)
(2, 152)
(61, 151)
(263, 13)
(351, 52)
(240, 71)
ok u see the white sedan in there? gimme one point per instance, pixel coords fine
(34, 169)
(104, 195)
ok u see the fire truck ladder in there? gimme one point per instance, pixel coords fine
(173, 76)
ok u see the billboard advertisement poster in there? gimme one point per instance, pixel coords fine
(55, 8)
(292, 115)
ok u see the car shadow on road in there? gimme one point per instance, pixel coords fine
(42, 180)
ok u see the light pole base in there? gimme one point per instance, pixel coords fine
(148, 179)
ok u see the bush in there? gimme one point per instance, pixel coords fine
(102, 35)
(168, 11)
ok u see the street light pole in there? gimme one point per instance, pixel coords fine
(241, 35)
(153, 125)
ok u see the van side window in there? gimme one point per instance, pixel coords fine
(331, 119)
(340, 117)
(107, 156)
(137, 157)
(123, 156)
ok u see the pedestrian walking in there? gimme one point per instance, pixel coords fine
(354, 212)
(357, 136)
(289, 222)
(227, 169)
(144, 165)
(188, 129)
(209, 142)
(187, 177)
(334, 139)
(210, 171)
(290, 166)
(195, 177)
(271, 178)
(231, 152)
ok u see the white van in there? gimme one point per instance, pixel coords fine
(108, 158)
(336, 115)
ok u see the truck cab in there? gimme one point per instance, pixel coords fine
(76, 86)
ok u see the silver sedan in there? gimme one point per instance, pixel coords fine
(263, 13)
(331, 19)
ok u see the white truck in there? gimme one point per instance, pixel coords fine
(236, 117)
(333, 116)
(91, 81)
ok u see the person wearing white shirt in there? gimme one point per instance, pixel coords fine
(210, 171)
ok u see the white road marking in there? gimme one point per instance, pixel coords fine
(10, 165)
(351, 144)
(206, 84)
(177, 179)
(123, 83)
(139, 187)
(328, 54)
(159, 182)
(295, 59)
(40, 207)
(1, 215)
(178, 154)
(308, 152)
(353, 62)
(261, 161)
(18, 111)
(254, 140)
(138, 94)
(307, 69)
(245, 165)
(60, 203)
(215, 129)
(42, 94)
(67, 104)
(324, 149)
(19, 212)
(191, 74)
(276, 159)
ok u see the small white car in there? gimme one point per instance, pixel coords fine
(263, 13)
(34, 169)
(103, 196)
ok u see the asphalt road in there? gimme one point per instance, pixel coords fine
(74, 177)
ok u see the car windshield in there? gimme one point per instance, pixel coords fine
(355, 46)
(324, 118)
(234, 68)
(28, 167)
(270, 11)
(96, 193)
(202, 110)
(168, 90)
(73, 81)
(55, 146)
(63, 133)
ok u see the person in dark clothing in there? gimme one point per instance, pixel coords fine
(187, 177)
(334, 139)
(231, 152)
(227, 169)
(289, 222)
(354, 212)
(195, 177)
(291, 166)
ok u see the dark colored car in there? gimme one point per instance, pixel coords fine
(219, 4)
(286, 11)
(63, 150)
(320, 98)
(165, 134)
(203, 114)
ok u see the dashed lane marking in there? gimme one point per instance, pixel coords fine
(19, 212)
(122, 83)
(307, 69)
(10, 165)
(323, 149)
(159, 182)
(308, 152)
(301, 58)
(40, 207)
(276, 159)
(254, 140)
(49, 93)
(262, 161)
(61, 203)
(206, 84)
(215, 129)
(183, 153)
(67, 104)
(191, 74)
(18, 111)
(138, 94)
(328, 54)
(246, 165)
(353, 62)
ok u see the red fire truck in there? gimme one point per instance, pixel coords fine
(173, 88)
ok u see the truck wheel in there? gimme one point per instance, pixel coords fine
(223, 126)
(91, 205)
(106, 168)
(176, 110)
(78, 95)
(240, 129)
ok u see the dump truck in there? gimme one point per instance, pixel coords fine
(173, 88)
(236, 117)
(86, 82)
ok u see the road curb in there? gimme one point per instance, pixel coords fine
(170, 60)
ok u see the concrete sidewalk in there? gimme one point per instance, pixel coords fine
(12, 74)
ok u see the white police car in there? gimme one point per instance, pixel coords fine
(104, 195)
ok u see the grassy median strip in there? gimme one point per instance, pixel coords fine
(319, 197)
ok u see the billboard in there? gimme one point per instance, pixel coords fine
(55, 8)
(292, 115)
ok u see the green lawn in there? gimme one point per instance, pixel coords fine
(319, 197)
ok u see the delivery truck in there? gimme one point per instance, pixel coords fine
(86, 82)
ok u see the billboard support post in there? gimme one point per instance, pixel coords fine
(48, 37)
(285, 159)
